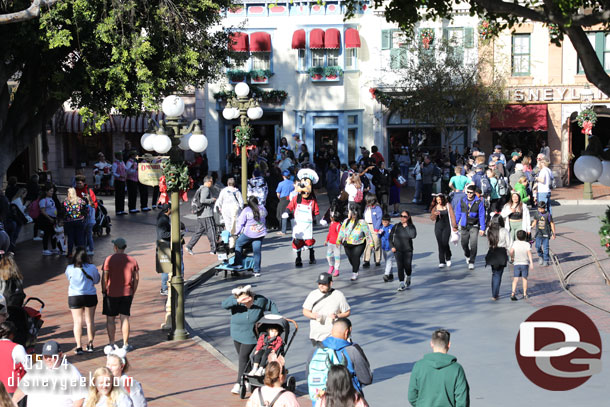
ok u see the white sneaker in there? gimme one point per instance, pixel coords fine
(401, 287)
(448, 263)
(252, 372)
(441, 266)
(354, 276)
(470, 266)
(260, 371)
(47, 253)
(467, 260)
(37, 238)
(235, 389)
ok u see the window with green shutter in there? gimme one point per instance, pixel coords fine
(399, 58)
(520, 55)
(468, 37)
(455, 39)
(600, 41)
(386, 39)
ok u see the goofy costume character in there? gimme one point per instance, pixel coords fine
(304, 207)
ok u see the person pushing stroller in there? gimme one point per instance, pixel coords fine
(268, 342)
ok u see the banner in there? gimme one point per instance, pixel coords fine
(149, 174)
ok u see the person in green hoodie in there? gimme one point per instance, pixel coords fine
(438, 380)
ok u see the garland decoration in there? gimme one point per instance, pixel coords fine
(242, 135)
(176, 178)
(587, 119)
(488, 30)
(266, 96)
(427, 37)
(604, 231)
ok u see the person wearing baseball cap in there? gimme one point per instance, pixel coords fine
(119, 284)
(498, 153)
(283, 191)
(66, 385)
(322, 306)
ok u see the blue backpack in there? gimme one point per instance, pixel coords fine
(322, 360)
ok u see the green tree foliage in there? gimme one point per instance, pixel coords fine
(604, 231)
(437, 86)
(569, 17)
(102, 55)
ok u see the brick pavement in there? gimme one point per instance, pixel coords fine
(575, 192)
(172, 373)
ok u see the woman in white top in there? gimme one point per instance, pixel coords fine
(516, 216)
(19, 202)
(117, 363)
(272, 391)
(352, 186)
(104, 393)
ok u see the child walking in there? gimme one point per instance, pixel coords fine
(333, 251)
(545, 230)
(386, 249)
(267, 342)
(521, 254)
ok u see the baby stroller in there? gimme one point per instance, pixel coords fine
(283, 326)
(102, 220)
(28, 322)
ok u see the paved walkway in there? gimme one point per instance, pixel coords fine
(392, 328)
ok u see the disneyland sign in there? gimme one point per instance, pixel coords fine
(551, 94)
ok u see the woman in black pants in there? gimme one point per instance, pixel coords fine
(401, 242)
(354, 234)
(246, 309)
(442, 214)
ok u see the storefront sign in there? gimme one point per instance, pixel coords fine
(149, 174)
(551, 94)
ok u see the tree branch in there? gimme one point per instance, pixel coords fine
(30, 13)
(501, 7)
(588, 58)
(583, 20)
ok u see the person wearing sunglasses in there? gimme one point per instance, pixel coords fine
(470, 217)
(401, 243)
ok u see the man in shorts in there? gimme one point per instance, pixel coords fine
(322, 306)
(119, 284)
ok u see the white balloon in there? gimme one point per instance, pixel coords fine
(588, 168)
(184, 142)
(162, 143)
(173, 106)
(604, 179)
(147, 141)
(198, 143)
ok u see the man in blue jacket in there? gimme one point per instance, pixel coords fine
(470, 217)
(348, 353)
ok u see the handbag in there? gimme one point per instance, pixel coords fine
(455, 235)
(401, 180)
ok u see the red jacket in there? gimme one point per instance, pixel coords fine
(293, 204)
(82, 193)
(264, 342)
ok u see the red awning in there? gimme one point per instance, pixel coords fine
(239, 42)
(74, 123)
(332, 39)
(316, 38)
(520, 117)
(352, 38)
(260, 42)
(298, 39)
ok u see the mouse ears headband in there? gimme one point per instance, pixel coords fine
(241, 290)
(115, 351)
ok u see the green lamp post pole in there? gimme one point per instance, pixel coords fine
(173, 135)
(586, 98)
(245, 109)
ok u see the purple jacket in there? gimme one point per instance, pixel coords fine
(249, 226)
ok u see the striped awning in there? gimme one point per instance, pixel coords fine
(74, 123)
(139, 123)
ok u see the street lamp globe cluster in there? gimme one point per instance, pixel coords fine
(173, 108)
(245, 109)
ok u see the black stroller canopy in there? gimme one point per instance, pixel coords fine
(273, 321)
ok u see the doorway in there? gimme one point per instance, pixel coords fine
(326, 138)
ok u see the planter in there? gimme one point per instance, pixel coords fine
(237, 79)
(260, 80)
(317, 77)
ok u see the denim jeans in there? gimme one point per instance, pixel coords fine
(496, 279)
(542, 246)
(418, 190)
(75, 231)
(257, 243)
(89, 236)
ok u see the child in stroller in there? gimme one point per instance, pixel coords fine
(282, 326)
(102, 220)
(268, 342)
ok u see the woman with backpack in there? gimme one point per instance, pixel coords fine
(354, 189)
(251, 228)
(272, 393)
(354, 234)
(340, 390)
(82, 297)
